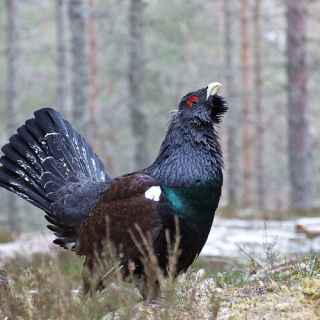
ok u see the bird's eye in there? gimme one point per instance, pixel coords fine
(192, 100)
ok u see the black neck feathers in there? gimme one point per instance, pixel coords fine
(190, 155)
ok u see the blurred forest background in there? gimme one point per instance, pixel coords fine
(116, 68)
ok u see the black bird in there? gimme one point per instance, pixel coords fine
(49, 164)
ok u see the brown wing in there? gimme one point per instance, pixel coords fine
(122, 207)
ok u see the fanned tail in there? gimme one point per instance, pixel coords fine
(45, 156)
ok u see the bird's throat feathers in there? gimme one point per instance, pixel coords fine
(190, 156)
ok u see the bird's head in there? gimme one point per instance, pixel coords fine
(204, 107)
(190, 153)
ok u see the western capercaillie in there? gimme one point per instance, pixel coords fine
(49, 164)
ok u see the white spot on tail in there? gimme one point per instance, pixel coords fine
(153, 193)
(70, 245)
(51, 134)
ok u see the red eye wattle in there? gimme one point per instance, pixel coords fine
(191, 100)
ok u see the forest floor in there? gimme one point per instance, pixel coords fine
(46, 286)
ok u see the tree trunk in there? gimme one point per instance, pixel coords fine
(61, 62)
(79, 63)
(246, 104)
(93, 71)
(12, 96)
(298, 127)
(232, 164)
(259, 166)
(135, 78)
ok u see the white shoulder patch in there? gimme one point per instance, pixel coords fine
(153, 193)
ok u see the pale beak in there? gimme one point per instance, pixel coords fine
(213, 88)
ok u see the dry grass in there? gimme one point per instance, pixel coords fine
(46, 287)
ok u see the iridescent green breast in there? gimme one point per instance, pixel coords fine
(195, 203)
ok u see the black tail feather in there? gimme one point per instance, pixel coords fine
(45, 156)
(17, 185)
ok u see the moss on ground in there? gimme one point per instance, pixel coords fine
(288, 301)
